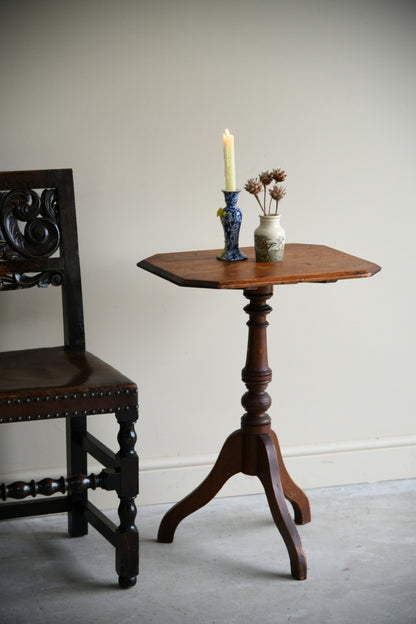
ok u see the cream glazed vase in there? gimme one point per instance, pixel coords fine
(269, 239)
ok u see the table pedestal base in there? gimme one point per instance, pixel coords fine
(257, 455)
(253, 449)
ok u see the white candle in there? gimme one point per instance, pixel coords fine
(229, 161)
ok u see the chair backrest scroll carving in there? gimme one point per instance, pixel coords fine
(38, 240)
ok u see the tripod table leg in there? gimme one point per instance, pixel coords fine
(227, 465)
(268, 473)
(292, 492)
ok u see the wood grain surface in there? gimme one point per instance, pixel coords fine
(301, 263)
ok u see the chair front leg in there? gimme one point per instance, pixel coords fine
(76, 461)
(127, 548)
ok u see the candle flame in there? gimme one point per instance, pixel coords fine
(227, 132)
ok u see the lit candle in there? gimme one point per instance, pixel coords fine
(229, 161)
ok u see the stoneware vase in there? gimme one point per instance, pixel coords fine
(231, 218)
(269, 239)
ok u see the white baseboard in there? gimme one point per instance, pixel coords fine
(167, 480)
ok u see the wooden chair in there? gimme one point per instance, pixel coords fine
(38, 247)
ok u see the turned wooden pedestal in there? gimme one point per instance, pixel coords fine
(254, 449)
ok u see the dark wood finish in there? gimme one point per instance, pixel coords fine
(98, 450)
(254, 448)
(37, 507)
(76, 462)
(127, 549)
(301, 263)
(47, 487)
(101, 523)
(39, 247)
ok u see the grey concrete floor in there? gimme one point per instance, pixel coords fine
(227, 564)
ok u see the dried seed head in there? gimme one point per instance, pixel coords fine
(266, 177)
(277, 192)
(253, 186)
(278, 175)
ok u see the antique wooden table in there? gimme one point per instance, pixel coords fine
(254, 449)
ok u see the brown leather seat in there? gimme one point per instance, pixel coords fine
(38, 247)
(56, 382)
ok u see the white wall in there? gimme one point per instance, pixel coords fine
(134, 96)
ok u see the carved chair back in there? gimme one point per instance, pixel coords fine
(38, 241)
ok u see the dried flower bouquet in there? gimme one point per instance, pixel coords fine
(257, 186)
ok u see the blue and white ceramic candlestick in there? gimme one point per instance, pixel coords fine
(231, 218)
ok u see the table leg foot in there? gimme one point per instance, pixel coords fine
(269, 474)
(227, 465)
(292, 492)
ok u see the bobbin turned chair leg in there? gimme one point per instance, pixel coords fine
(127, 542)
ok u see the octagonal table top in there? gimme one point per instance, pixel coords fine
(301, 263)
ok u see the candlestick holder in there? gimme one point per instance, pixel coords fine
(231, 218)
